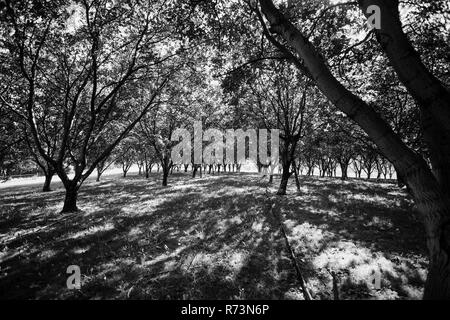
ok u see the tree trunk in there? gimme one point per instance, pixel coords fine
(167, 167)
(48, 180)
(434, 206)
(430, 93)
(297, 181)
(70, 200)
(165, 175)
(284, 179)
(125, 169)
(344, 168)
(437, 285)
(147, 169)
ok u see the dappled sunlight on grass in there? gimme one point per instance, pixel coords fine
(211, 237)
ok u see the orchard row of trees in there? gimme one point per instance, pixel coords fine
(320, 156)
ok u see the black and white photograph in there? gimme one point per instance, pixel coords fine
(235, 152)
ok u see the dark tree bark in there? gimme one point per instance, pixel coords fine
(297, 180)
(99, 174)
(284, 179)
(310, 169)
(194, 170)
(70, 200)
(125, 167)
(165, 175)
(140, 165)
(48, 180)
(167, 166)
(344, 168)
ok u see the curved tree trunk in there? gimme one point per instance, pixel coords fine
(430, 93)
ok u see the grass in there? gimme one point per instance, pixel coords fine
(211, 238)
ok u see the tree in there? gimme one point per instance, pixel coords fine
(126, 154)
(429, 188)
(277, 96)
(91, 71)
(369, 159)
(157, 128)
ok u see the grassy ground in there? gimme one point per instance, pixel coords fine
(211, 238)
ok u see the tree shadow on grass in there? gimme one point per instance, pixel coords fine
(209, 238)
